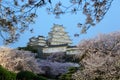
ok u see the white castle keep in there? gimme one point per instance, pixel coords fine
(58, 41)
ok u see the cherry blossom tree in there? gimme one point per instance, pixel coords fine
(16, 15)
(16, 60)
(100, 58)
(19, 60)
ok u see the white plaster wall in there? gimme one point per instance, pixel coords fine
(54, 49)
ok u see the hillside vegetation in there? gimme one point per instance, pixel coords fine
(19, 60)
(98, 59)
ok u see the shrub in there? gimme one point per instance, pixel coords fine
(72, 69)
(13, 75)
(6, 75)
(68, 75)
(28, 48)
(40, 78)
(71, 58)
(27, 75)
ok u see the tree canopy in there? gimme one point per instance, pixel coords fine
(100, 59)
(16, 15)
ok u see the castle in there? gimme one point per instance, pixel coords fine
(58, 41)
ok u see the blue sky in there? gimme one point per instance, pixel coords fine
(44, 22)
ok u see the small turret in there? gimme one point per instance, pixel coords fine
(39, 41)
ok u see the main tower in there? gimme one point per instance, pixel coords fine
(58, 36)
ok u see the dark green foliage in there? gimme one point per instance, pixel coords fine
(28, 48)
(72, 69)
(71, 58)
(27, 75)
(6, 75)
(68, 75)
(12, 75)
(23, 75)
(98, 78)
(40, 78)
